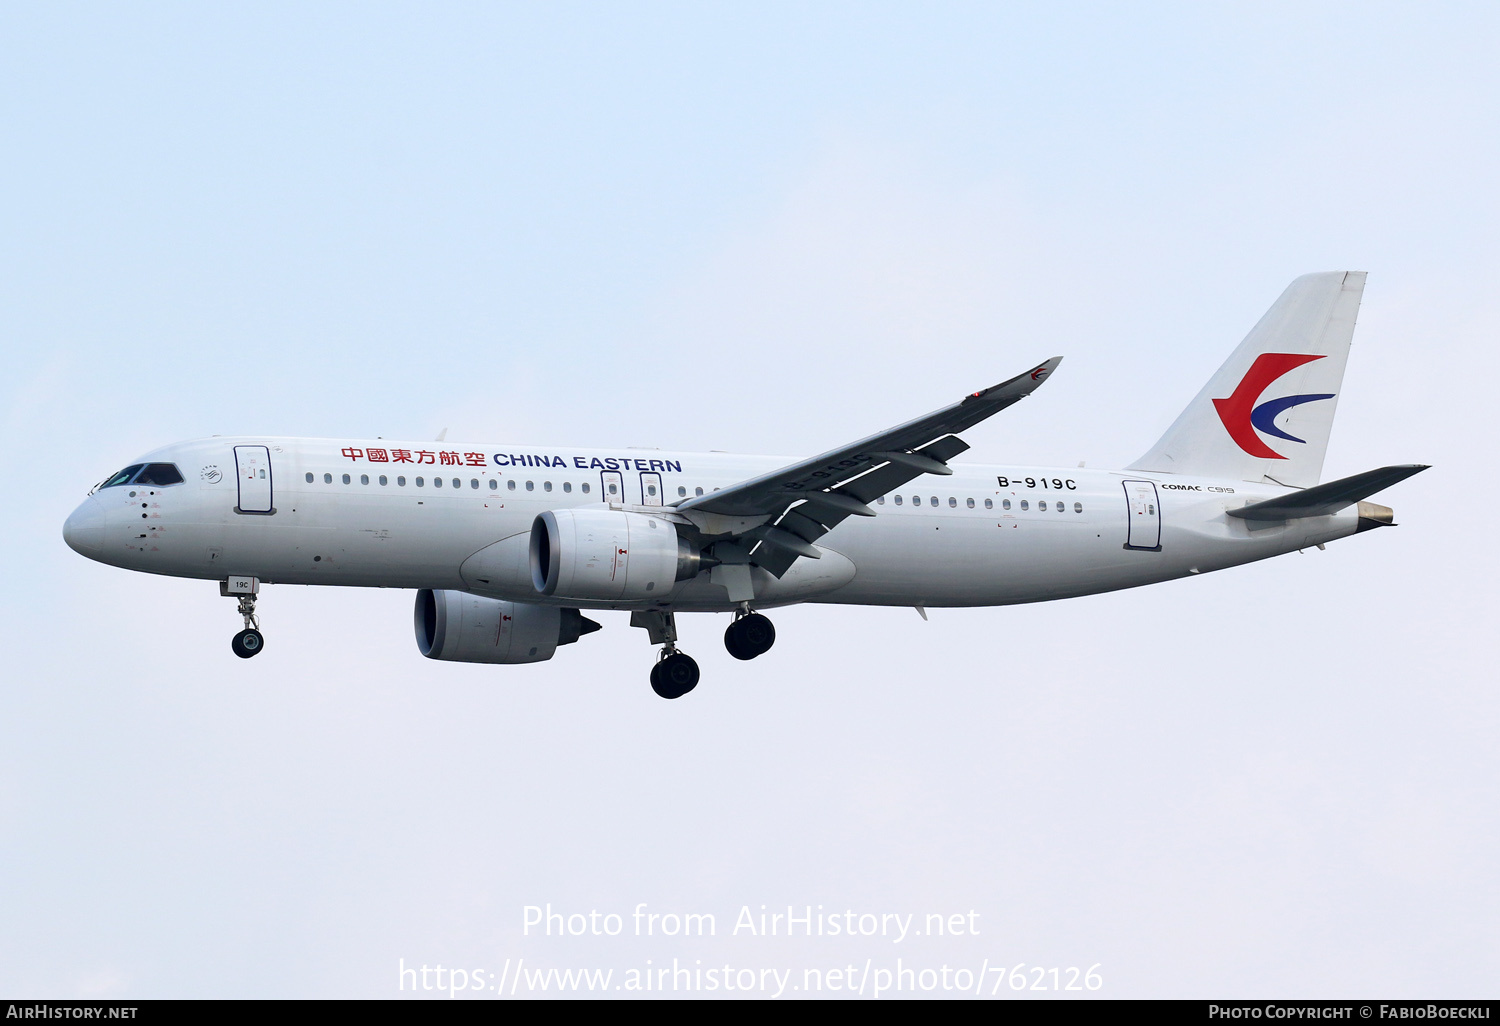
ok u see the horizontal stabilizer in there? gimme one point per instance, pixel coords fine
(1325, 499)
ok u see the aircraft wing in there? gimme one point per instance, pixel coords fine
(776, 517)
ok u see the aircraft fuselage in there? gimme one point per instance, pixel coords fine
(430, 515)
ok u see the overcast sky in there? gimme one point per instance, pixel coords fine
(763, 228)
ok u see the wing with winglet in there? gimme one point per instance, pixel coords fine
(774, 519)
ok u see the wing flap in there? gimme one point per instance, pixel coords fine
(803, 527)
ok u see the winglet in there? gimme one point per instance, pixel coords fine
(1021, 384)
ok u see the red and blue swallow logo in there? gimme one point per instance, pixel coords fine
(1242, 418)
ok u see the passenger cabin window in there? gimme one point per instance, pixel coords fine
(364, 479)
(383, 481)
(401, 482)
(328, 479)
(346, 479)
(473, 482)
(494, 484)
(953, 503)
(898, 499)
(437, 482)
(309, 477)
(970, 502)
(584, 487)
(511, 484)
(697, 491)
(1024, 504)
(567, 486)
(989, 503)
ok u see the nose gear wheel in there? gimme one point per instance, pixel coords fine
(248, 643)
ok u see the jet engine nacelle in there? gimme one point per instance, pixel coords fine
(608, 555)
(457, 626)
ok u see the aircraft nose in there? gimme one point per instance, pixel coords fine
(84, 528)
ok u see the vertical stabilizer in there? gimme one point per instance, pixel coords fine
(1267, 413)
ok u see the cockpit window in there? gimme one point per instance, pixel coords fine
(123, 477)
(159, 474)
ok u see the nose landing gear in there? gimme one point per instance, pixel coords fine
(750, 635)
(249, 641)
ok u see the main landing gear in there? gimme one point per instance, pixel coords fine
(249, 641)
(750, 635)
(676, 673)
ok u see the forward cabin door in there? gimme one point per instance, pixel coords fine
(253, 470)
(1143, 530)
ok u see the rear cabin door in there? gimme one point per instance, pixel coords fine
(1143, 530)
(253, 470)
(613, 484)
(650, 488)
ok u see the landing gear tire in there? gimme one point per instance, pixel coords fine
(750, 636)
(248, 643)
(674, 676)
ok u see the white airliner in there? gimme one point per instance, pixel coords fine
(506, 544)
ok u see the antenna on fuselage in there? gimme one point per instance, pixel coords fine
(441, 435)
